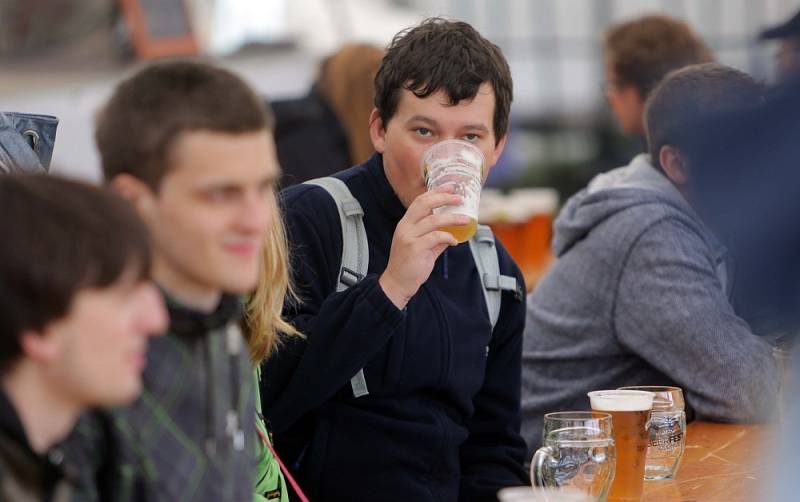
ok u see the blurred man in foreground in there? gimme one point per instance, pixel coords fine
(189, 146)
(77, 309)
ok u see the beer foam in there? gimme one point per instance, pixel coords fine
(621, 400)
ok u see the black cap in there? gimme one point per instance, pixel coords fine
(790, 28)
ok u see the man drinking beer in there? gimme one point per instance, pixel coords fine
(440, 420)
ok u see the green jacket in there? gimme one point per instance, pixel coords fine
(270, 484)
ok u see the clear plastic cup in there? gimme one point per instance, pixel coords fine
(459, 164)
(630, 412)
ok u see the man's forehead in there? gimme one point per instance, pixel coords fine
(484, 96)
(442, 97)
(437, 109)
(218, 175)
(211, 155)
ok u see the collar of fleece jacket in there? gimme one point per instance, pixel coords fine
(185, 321)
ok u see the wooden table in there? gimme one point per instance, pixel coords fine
(721, 463)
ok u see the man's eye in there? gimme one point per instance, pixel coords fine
(220, 195)
(471, 137)
(423, 131)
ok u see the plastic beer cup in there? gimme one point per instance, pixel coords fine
(461, 165)
(630, 412)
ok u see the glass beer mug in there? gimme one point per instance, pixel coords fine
(667, 431)
(577, 452)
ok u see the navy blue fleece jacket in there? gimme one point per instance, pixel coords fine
(442, 418)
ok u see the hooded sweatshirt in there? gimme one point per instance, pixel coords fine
(639, 296)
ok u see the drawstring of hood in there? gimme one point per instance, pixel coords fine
(211, 400)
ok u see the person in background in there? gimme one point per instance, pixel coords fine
(26, 142)
(326, 131)
(637, 55)
(189, 146)
(77, 307)
(640, 294)
(440, 420)
(787, 58)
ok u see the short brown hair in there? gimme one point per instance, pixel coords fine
(450, 56)
(60, 237)
(642, 51)
(690, 95)
(147, 112)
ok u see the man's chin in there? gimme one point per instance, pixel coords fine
(122, 396)
(241, 285)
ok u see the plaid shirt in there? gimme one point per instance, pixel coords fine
(178, 442)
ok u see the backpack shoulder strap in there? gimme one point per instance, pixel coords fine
(355, 249)
(484, 253)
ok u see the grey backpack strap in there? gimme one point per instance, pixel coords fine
(484, 253)
(355, 250)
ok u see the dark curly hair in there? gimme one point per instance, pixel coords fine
(450, 56)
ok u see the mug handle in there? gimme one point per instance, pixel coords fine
(537, 465)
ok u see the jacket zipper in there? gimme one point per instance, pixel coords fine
(445, 337)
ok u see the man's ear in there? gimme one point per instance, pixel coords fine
(674, 164)
(498, 148)
(133, 190)
(377, 132)
(39, 346)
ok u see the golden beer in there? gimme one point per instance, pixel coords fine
(462, 233)
(630, 412)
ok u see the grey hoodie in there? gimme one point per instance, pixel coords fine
(639, 296)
